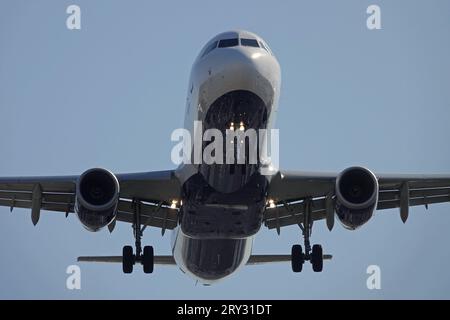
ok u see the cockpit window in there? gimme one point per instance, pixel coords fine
(225, 43)
(210, 48)
(249, 42)
(263, 46)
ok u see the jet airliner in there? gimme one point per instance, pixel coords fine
(215, 210)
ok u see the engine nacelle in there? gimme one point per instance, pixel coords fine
(97, 198)
(356, 196)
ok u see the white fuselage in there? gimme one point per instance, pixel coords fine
(214, 74)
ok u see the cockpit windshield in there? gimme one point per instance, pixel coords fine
(225, 43)
(210, 48)
(234, 42)
(264, 47)
(249, 42)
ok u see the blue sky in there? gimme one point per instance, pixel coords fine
(111, 93)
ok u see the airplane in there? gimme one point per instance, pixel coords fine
(215, 210)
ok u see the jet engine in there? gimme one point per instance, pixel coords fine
(356, 196)
(97, 198)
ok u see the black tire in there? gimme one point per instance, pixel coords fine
(148, 259)
(127, 259)
(297, 258)
(317, 258)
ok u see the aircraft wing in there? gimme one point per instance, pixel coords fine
(153, 190)
(292, 191)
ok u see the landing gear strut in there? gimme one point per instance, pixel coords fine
(146, 257)
(314, 255)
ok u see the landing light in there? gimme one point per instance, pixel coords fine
(241, 126)
(174, 204)
(271, 203)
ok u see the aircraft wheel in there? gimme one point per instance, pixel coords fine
(127, 259)
(148, 259)
(297, 258)
(317, 258)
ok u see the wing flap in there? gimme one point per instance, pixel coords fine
(61, 202)
(46, 197)
(288, 214)
(151, 214)
(294, 219)
(413, 202)
(414, 193)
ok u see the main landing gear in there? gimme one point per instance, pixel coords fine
(145, 257)
(314, 255)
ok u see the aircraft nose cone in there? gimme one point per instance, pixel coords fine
(225, 70)
(247, 60)
(243, 69)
